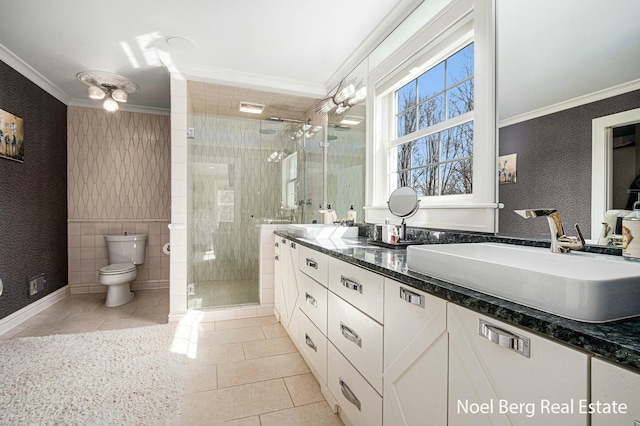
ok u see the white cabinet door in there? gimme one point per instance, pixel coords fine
(288, 302)
(415, 357)
(612, 386)
(313, 301)
(490, 384)
(277, 278)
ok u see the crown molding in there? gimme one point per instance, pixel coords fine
(87, 103)
(253, 81)
(11, 59)
(572, 103)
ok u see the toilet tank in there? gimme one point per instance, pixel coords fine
(123, 248)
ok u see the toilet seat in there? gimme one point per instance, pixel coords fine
(117, 268)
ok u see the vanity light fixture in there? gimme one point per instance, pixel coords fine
(251, 108)
(345, 97)
(103, 85)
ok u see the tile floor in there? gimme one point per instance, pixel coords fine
(244, 372)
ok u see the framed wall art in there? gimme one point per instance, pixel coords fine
(11, 137)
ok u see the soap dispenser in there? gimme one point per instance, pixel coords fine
(631, 234)
(351, 214)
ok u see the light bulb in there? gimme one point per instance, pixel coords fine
(119, 95)
(96, 93)
(110, 105)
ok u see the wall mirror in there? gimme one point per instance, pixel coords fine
(560, 66)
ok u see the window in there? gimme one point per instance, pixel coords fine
(435, 113)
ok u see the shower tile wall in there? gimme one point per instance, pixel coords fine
(118, 172)
(228, 159)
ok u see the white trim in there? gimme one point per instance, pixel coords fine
(18, 317)
(87, 103)
(12, 60)
(602, 163)
(572, 103)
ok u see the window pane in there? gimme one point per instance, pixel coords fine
(432, 144)
(431, 82)
(431, 112)
(418, 181)
(407, 122)
(431, 181)
(456, 177)
(404, 156)
(403, 178)
(460, 99)
(457, 142)
(406, 96)
(419, 153)
(460, 66)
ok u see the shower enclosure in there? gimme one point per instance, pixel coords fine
(243, 173)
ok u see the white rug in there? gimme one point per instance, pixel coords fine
(119, 377)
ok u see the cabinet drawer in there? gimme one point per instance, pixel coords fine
(312, 300)
(314, 264)
(313, 346)
(363, 289)
(357, 399)
(358, 337)
(611, 383)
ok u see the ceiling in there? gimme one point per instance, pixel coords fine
(288, 53)
(286, 46)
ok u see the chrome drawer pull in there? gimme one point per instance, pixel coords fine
(411, 297)
(351, 397)
(350, 335)
(277, 244)
(310, 343)
(277, 257)
(293, 246)
(636, 423)
(351, 284)
(504, 338)
(311, 300)
(312, 263)
(284, 241)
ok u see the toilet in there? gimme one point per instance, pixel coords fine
(125, 252)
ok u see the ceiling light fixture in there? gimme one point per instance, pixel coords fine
(251, 108)
(103, 85)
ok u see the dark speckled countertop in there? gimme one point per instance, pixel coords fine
(617, 341)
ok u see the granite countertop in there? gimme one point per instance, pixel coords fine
(617, 341)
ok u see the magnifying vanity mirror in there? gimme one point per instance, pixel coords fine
(403, 202)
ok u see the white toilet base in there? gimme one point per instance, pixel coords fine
(118, 294)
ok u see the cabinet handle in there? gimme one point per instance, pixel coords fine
(310, 343)
(636, 423)
(312, 263)
(504, 338)
(350, 335)
(412, 297)
(351, 284)
(277, 244)
(311, 300)
(277, 257)
(284, 241)
(293, 246)
(351, 397)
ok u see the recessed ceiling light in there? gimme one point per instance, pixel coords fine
(351, 120)
(180, 43)
(251, 108)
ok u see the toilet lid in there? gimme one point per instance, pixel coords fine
(118, 268)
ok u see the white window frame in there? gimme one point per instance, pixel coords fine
(453, 26)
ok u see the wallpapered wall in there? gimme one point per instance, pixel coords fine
(33, 194)
(119, 181)
(554, 166)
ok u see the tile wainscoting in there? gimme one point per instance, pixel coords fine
(88, 253)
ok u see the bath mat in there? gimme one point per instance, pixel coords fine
(117, 377)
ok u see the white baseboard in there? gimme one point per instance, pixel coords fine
(18, 317)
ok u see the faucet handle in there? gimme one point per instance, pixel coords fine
(579, 234)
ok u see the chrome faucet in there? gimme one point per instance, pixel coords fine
(560, 243)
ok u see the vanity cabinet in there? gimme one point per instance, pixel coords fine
(287, 286)
(415, 357)
(612, 386)
(499, 374)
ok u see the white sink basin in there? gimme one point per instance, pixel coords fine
(577, 285)
(313, 231)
